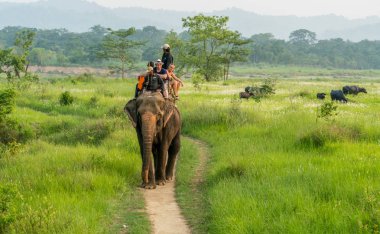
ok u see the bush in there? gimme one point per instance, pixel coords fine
(93, 102)
(266, 89)
(7, 102)
(327, 111)
(197, 80)
(12, 131)
(66, 99)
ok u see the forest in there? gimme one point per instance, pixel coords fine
(59, 47)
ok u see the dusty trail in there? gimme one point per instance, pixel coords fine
(162, 208)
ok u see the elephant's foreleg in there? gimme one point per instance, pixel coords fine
(172, 156)
(152, 181)
(148, 176)
(161, 168)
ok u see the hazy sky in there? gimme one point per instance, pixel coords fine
(348, 8)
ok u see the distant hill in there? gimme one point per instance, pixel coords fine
(80, 15)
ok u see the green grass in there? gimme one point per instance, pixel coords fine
(273, 166)
(79, 173)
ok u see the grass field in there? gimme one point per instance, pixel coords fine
(273, 167)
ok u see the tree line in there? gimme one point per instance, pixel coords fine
(207, 46)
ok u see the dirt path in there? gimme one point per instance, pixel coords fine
(163, 210)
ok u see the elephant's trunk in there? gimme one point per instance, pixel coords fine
(148, 122)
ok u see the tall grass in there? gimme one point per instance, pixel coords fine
(273, 166)
(78, 171)
(275, 169)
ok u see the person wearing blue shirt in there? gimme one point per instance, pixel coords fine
(163, 73)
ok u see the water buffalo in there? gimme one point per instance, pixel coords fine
(321, 96)
(353, 90)
(245, 95)
(337, 95)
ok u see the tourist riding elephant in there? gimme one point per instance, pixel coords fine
(158, 126)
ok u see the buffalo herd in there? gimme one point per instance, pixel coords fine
(336, 95)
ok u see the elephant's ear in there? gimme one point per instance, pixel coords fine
(130, 109)
(168, 111)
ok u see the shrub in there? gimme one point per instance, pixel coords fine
(66, 99)
(94, 101)
(327, 111)
(7, 102)
(268, 86)
(12, 131)
(197, 80)
(266, 89)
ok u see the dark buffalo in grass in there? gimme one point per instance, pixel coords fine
(245, 95)
(321, 96)
(337, 95)
(353, 90)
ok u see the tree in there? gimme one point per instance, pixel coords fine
(14, 61)
(10, 64)
(154, 39)
(116, 45)
(23, 43)
(302, 36)
(43, 57)
(207, 37)
(234, 50)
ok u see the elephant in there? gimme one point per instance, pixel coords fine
(158, 126)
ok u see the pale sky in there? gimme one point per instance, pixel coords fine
(348, 8)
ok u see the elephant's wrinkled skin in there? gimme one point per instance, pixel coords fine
(158, 125)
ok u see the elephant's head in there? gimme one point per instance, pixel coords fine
(149, 114)
(149, 109)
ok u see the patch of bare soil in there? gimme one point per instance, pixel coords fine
(68, 70)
